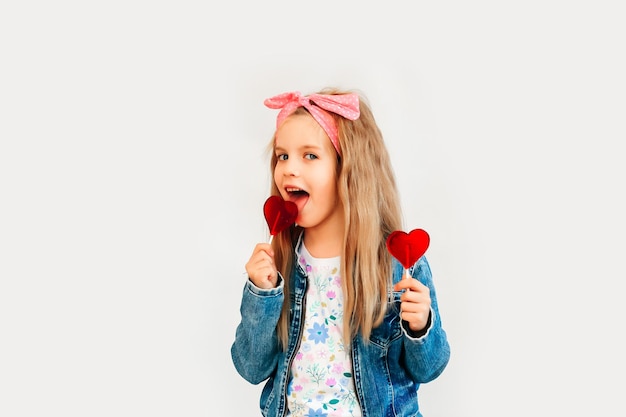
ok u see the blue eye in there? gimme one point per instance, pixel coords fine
(310, 156)
(282, 157)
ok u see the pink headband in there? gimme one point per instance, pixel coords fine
(346, 105)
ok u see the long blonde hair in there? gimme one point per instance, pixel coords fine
(367, 189)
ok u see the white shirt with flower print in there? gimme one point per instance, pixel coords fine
(321, 383)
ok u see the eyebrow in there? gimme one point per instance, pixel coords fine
(302, 148)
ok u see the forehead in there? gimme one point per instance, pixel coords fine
(301, 130)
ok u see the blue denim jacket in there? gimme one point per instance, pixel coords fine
(387, 371)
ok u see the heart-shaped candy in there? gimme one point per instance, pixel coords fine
(279, 213)
(407, 248)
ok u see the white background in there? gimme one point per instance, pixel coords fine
(133, 172)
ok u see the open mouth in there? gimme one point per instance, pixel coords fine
(298, 196)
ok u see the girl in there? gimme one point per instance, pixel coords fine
(326, 317)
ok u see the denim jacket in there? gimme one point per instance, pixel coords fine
(387, 371)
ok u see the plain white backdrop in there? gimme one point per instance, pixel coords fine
(133, 172)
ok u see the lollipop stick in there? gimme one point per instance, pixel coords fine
(407, 249)
(407, 276)
(273, 228)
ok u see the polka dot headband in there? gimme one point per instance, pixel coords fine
(346, 105)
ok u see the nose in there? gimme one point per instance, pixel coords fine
(291, 168)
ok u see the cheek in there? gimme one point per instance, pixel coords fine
(334, 189)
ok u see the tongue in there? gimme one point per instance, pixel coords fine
(300, 201)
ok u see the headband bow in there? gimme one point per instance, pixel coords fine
(346, 105)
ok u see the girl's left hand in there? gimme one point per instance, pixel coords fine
(415, 303)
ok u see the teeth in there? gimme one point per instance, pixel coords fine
(293, 190)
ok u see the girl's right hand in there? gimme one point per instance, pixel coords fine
(261, 268)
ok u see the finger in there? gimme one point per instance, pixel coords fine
(417, 321)
(415, 307)
(410, 284)
(264, 247)
(259, 269)
(264, 275)
(259, 265)
(258, 255)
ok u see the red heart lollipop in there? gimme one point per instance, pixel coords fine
(407, 248)
(279, 213)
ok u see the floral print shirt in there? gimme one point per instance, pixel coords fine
(321, 383)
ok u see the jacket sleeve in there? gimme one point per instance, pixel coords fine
(256, 347)
(427, 353)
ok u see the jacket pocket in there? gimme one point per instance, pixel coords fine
(390, 329)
